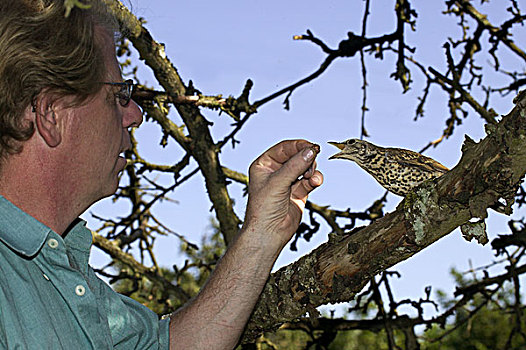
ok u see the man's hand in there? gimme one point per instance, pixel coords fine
(280, 182)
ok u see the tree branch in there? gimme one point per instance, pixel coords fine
(112, 248)
(201, 144)
(337, 270)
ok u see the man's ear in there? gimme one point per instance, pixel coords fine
(48, 127)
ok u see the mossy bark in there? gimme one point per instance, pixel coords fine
(199, 142)
(337, 270)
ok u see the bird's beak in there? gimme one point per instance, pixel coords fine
(340, 145)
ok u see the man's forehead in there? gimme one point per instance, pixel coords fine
(106, 40)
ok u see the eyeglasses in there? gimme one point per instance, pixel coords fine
(125, 93)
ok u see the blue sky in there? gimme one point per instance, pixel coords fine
(219, 45)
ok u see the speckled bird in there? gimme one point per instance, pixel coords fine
(396, 169)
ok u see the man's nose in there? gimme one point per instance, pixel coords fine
(132, 115)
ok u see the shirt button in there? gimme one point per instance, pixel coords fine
(80, 290)
(52, 243)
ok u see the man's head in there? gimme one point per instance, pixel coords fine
(64, 120)
(43, 51)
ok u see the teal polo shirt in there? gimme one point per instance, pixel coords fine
(50, 298)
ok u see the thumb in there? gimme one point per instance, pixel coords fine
(296, 166)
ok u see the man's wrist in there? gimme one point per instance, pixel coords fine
(260, 243)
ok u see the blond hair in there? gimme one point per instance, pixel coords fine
(43, 50)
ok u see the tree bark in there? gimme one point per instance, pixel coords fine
(339, 269)
(200, 143)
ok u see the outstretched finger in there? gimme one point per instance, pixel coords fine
(295, 168)
(277, 155)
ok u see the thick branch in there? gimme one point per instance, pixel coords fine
(202, 146)
(337, 270)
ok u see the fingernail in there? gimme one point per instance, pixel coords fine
(308, 154)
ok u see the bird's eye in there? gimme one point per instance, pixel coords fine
(351, 141)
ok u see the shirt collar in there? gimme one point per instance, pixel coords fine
(78, 236)
(26, 235)
(20, 231)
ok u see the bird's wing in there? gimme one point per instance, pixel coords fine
(414, 159)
